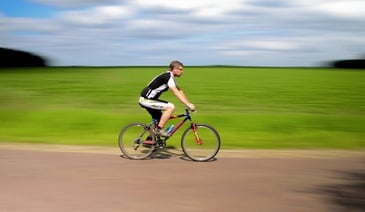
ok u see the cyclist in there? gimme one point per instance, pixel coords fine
(149, 98)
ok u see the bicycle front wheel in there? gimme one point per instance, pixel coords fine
(132, 141)
(202, 145)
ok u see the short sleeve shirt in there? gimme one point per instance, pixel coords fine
(158, 85)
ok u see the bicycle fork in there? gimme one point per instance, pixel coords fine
(195, 130)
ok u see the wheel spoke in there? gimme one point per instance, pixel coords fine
(133, 143)
(201, 145)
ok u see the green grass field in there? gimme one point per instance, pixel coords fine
(250, 107)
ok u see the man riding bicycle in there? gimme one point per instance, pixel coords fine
(149, 98)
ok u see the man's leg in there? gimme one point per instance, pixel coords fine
(166, 115)
(154, 107)
(155, 114)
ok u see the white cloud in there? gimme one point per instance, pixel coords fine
(236, 32)
(96, 15)
(273, 45)
(187, 4)
(350, 9)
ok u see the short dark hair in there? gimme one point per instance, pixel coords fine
(175, 64)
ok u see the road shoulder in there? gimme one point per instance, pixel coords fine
(224, 153)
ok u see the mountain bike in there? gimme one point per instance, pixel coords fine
(199, 142)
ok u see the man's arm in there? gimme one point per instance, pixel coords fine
(182, 97)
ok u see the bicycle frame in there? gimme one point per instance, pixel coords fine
(182, 122)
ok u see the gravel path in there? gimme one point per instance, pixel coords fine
(73, 178)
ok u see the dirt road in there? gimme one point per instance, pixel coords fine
(34, 179)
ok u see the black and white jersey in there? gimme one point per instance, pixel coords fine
(158, 85)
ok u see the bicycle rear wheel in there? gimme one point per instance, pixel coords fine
(132, 141)
(202, 146)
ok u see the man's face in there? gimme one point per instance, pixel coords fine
(178, 71)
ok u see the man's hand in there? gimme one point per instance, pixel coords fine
(191, 107)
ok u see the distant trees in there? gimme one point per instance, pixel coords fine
(16, 58)
(353, 64)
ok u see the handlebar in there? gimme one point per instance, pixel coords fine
(187, 110)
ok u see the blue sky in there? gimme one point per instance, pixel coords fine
(21, 8)
(204, 32)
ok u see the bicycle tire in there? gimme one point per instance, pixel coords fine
(131, 139)
(205, 151)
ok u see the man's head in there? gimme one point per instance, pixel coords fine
(177, 68)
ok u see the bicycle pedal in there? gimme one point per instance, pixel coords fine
(135, 146)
